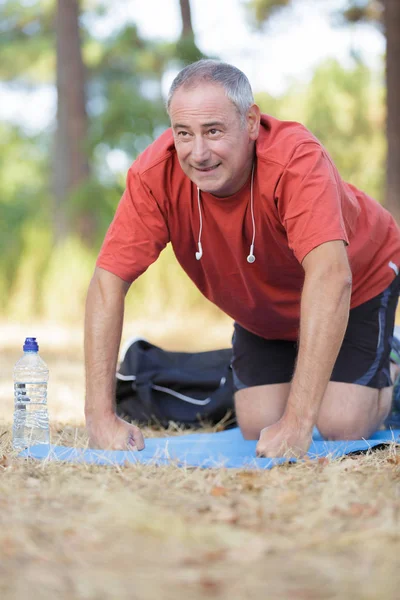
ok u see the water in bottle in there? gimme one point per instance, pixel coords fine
(31, 421)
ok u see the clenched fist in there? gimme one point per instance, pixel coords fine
(113, 433)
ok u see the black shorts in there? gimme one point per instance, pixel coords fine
(363, 358)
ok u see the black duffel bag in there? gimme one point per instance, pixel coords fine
(158, 386)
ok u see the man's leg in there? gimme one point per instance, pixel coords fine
(260, 406)
(352, 412)
(348, 411)
(262, 370)
(358, 398)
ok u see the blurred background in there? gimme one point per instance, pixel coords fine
(82, 93)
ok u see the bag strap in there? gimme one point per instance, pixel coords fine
(189, 399)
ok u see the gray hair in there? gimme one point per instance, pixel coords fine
(234, 82)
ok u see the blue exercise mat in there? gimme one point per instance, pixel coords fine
(209, 450)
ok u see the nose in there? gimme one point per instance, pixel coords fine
(200, 150)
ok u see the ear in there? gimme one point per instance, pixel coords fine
(253, 121)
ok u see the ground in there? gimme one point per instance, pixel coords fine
(316, 530)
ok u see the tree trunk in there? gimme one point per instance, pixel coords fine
(187, 27)
(186, 47)
(392, 26)
(71, 167)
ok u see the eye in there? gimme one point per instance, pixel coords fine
(213, 131)
(182, 134)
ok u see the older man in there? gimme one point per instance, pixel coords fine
(260, 220)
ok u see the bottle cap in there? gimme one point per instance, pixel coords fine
(31, 345)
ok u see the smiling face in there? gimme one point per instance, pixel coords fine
(215, 148)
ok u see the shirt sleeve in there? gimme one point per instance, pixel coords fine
(137, 234)
(309, 200)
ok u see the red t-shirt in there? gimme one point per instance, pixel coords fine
(300, 202)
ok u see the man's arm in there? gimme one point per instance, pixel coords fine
(103, 328)
(325, 304)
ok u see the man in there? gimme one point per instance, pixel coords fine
(260, 220)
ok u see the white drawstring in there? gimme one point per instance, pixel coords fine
(199, 254)
(251, 258)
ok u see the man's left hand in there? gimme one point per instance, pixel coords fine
(283, 439)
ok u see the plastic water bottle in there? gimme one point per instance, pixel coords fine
(31, 420)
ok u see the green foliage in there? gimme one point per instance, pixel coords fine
(99, 199)
(187, 51)
(261, 11)
(27, 42)
(355, 11)
(65, 281)
(24, 197)
(345, 111)
(364, 11)
(51, 283)
(126, 112)
(25, 297)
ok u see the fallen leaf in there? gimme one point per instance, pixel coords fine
(250, 482)
(288, 497)
(246, 475)
(4, 461)
(215, 555)
(9, 546)
(260, 512)
(69, 532)
(218, 490)
(212, 586)
(197, 560)
(203, 508)
(358, 509)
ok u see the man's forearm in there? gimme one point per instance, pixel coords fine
(324, 316)
(103, 328)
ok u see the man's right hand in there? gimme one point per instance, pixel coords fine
(113, 433)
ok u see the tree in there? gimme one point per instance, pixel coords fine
(384, 14)
(392, 29)
(109, 99)
(186, 47)
(187, 27)
(71, 166)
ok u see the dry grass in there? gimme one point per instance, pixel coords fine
(307, 531)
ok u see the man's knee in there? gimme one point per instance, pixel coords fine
(344, 429)
(352, 412)
(260, 406)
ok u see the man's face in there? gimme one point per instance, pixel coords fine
(214, 147)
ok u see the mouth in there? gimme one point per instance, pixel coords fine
(207, 169)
